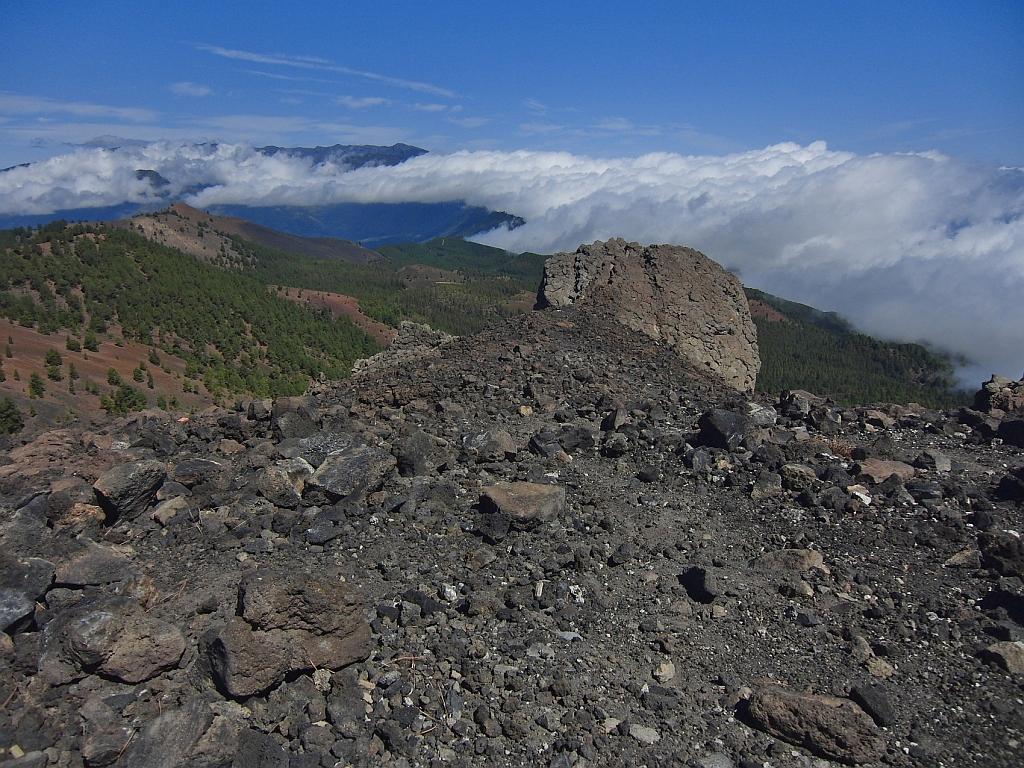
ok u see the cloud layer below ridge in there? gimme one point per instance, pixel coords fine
(910, 247)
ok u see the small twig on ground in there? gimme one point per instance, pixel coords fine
(121, 752)
(17, 688)
(397, 659)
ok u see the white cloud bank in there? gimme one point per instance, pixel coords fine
(915, 247)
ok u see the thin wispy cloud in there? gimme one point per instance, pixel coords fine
(620, 125)
(14, 104)
(275, 76)
(911, 247)
(190, 89)
(469, 122)
(362, 103)
(309, 62)
(530, 129)
(430, 107)
(303, 92)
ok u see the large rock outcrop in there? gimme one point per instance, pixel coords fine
(670, 293)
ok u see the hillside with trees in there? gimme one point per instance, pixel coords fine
(235, 317)
(233, 333)
(804, 348)
(491, 283)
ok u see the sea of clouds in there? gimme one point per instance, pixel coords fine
(909, 247)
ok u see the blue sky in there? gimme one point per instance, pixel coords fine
(603, 79)
(862, 157)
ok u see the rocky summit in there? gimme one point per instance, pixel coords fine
(555, 543)
(673, 294)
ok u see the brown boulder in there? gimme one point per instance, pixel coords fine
(1008, 655)
(792, 560)
(111, 636)
(525, 504)
(999, 394)
(831, 727)
(290, 622)
(878, 470)
(670, 293)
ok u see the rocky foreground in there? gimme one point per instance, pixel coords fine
(554, 543)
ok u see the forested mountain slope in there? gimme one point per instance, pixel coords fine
(234, 333)
(804, 348)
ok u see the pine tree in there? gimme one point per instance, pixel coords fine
(11, 422)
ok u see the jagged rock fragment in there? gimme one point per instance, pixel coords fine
(354, 471)
(831, 727)
(1002, 551)
(127, 490)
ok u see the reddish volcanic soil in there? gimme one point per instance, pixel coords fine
(760, 309)
(30, 347)
(340, 304)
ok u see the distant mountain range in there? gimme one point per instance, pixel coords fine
(352, 155)
(370, 224)
(373, 224)
(202, 234)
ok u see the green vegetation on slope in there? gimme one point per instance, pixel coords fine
(492, 277)
(235, 334)
(454, 253)
(819, 352)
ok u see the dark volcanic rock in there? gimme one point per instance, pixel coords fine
(668, 580)
(1011, 429)
(32, 576)
(197, 471)
(723, 429)
(129, 489)
(95, 564)
(166, 740)
(1002, 551)
(354, 471)
(14, 606)
(874, 701)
